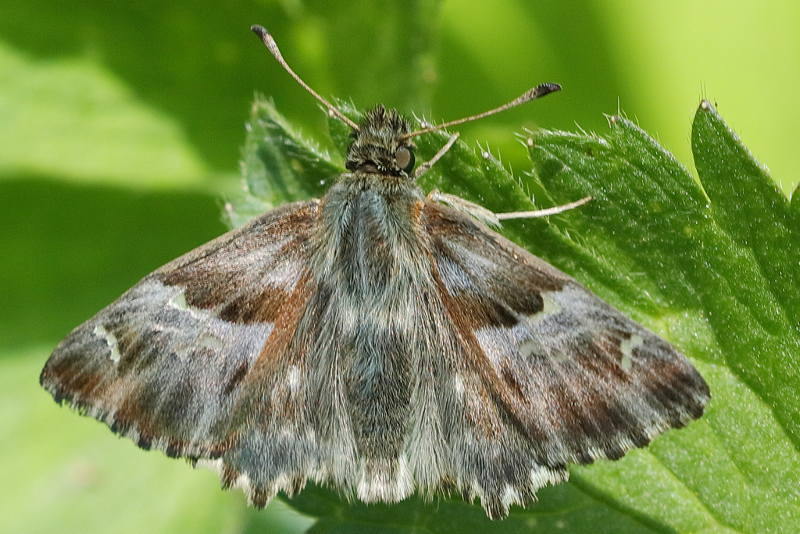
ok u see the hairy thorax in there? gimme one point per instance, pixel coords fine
(371, 244)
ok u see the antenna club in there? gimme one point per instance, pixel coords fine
(259, 30)
(544, 89)
(531, 94)
(266, 38)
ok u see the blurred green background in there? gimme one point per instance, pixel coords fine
(120, 130)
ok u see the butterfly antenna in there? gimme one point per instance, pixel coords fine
(272, 46)
(531, 94)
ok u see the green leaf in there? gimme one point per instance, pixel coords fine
(358, 59)
(277, 163)
(563, 508)
(757, 218)
(740, 462)
(708, 264)
(120, 140)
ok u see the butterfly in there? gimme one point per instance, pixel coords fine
(378, 340)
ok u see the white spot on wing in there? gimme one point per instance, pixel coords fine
(285, 275)
(549, 307)
(536, 334)
(179, 303)
(385, 486)
(627, 347)
(293, 378)
(458, 385)
(405, 481)
(541, 476)
(510, 496)
(475, 489)
(214, 465)
(544, 334)
(110, 339)
(210, 342)
(243, 483)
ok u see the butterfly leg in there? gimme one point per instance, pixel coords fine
(488, 217)
(542, 213)
(425, 167)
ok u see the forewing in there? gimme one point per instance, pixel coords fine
(574, 376)
(165, 363)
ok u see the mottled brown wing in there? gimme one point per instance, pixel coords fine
(563, 369)
(165, 363)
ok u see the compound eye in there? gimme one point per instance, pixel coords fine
(404, 158)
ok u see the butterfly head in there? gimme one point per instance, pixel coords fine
(379, 145)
